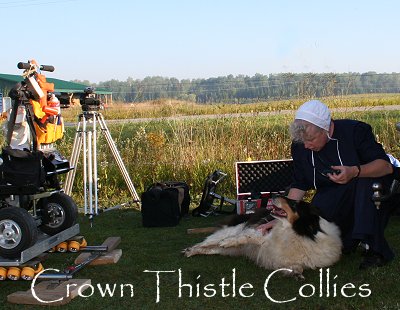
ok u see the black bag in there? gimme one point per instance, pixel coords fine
(22, 167)
(164, 204)
(184, 195)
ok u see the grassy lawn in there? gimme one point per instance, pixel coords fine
(158, 249)
(190, 150)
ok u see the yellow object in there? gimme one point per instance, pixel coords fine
(52, 133)
(37, 109)
(76, 245)
(13, 273)
(3, 273)
(39, 268)
(83, 243)
(73, 246)
(62, 247)
(27, 273)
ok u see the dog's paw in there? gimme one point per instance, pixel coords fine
(297, 273)
(228, 243)
(187, 252)
(298, 276)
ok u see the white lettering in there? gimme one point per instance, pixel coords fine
(83, 287)
(184, 285)
(346, 286)
(33, 287)
(364, 287)
(245, 286)
(304, 286)
(266, 287)
(68, 286)
(107, 290)
(222, 285)
(158, 281)
(210, 288)
(128, 285)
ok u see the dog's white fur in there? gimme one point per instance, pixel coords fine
(282, 247)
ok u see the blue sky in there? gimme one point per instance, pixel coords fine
(102, 40)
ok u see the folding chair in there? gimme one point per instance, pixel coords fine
(207, 206)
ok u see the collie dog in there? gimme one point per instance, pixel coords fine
(288, 235)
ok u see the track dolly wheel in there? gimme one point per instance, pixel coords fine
(14, 273)
(75, 245)
(62, 247)
(3, 273)
(28, 273)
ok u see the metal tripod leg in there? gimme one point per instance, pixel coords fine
(88, 138)
(117, 157)
(76, 149)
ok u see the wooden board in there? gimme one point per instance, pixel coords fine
(50, 291)
(111, 257)
(108, 258)
(202, 230)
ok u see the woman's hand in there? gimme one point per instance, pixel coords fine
(374, 169)
(346, 173)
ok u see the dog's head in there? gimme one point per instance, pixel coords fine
(303, 217)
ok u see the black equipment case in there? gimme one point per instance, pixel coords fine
(257, 180)
(165, 203)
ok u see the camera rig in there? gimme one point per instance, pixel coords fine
(89, 102)
(42, 108)
(34, 210)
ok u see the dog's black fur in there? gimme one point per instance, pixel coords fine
(308, 222)
(306, 225)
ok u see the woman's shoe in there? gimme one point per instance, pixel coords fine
(371, 260)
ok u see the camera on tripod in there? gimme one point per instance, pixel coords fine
(20, 92)
(89, 102)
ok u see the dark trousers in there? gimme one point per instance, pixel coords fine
(350, 206)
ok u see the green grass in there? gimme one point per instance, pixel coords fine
(189, 150)
(159, 249)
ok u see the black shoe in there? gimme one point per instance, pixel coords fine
(349, 250)
(371, 260)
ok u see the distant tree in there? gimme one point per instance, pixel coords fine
(242, 89)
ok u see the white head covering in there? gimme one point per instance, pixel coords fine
(315, 112)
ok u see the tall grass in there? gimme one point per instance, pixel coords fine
(191, 149)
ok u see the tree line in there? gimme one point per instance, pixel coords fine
(243, 89)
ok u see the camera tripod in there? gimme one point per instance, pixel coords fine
(86, 136)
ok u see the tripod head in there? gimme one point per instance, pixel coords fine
(89, 102)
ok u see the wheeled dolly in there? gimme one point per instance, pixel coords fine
(28, 264)
(44, 243)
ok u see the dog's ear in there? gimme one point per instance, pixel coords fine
(293, 204)
(304, 206)
(308, 222)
